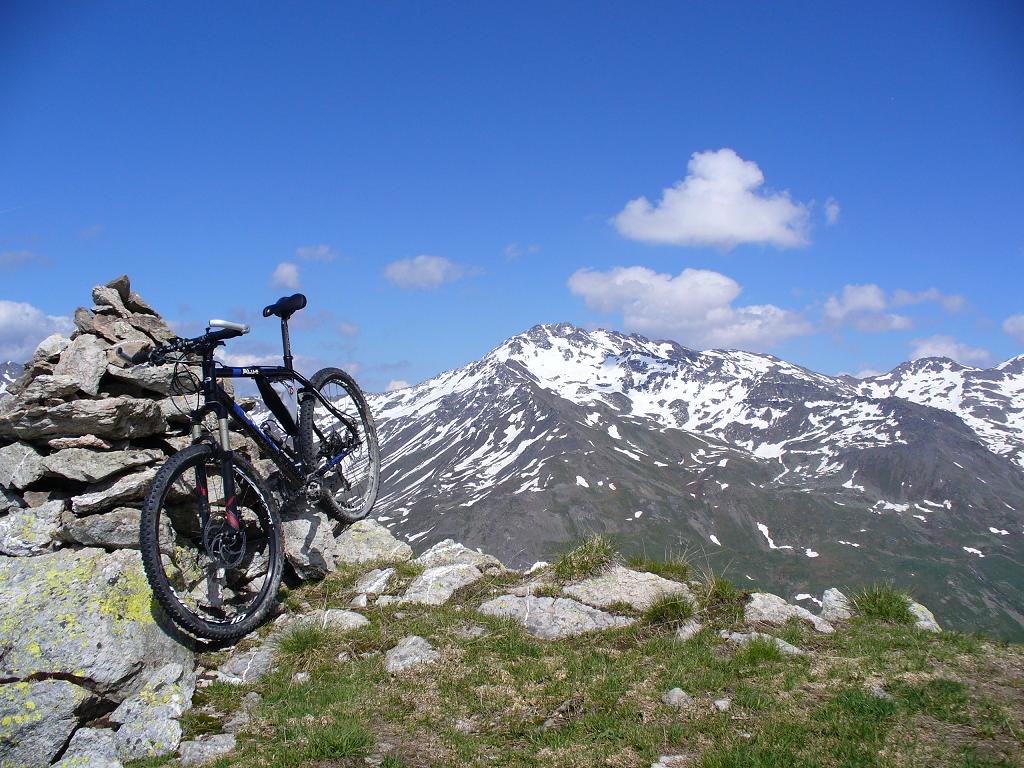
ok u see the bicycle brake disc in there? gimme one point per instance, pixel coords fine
(223, 543)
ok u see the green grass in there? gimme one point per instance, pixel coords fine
(721, 599)
(883, 602)
(675, 568)
(669, 609)
(585, 560)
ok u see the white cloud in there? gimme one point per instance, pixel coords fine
(515, 251)
(286, 276)
(863, 306)
(396, 384)
(694, 307)
(717, 204)
(23, 326)
(867, 373)
(947, 346)
(1014, 325)
(949, 302)
(316, 253)
(425, 272)
(348, 329)
(832, 211)
(11, 260)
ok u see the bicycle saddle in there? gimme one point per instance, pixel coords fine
(286, 306)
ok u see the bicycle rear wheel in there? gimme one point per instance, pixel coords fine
(346, 446)
(214, 580)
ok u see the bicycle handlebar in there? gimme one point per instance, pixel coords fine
(158, 355)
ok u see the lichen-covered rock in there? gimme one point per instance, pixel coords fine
(92, 466)
(309, 544)
(118, 529)
(450, 552)
(923, 618)
(84, 360)
(91, 748)
(36, 719)
(436, 585)
(767, 608)
(113, 492)
(148, 719)
(20, 465)
(32, 531)
(551, 618)
(84, 613)
(368, 541)
(622, 585)
(206, 748)
(411, 652)
(374, 582)
(110, 417)
(835, 606)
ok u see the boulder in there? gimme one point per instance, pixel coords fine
(309, 544)
(368, 541)
(111, 417)
(621, 585)
(83, 613)
(113, 493)
(50, 348)
(85, 360)
(91, 748)
(20, 465)
(117, 330)
(148, 719)
(835, 606)
(411, 652)
(136, 304)
(153, 326)
(766, 608)
(435, 586)
(374, 582)
(9, 501)
(91, 466)
(105, 297)
(552, 618)
(46, 386)
(123, 286)
(923, 618)
(118, 529)
(153, 378)
(32, 531)
(206, 748)
(36, 720)
(449, 552)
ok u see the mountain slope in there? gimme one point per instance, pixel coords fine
(731, 456)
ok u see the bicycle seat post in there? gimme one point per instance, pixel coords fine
(286, 342)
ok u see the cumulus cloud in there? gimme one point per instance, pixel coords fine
(316, 253)
(1014, 325)
(831, 211)
(695, 307)
(949, 302)
(720, 204)
(947, 346)
(396, 384)
(286, 276)
(425, 272)
(863, 307)
(23, 326)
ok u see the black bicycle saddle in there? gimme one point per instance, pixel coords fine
(286, 306)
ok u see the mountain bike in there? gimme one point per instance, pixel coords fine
(210, 532)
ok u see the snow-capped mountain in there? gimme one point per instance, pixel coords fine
(9, 372)
(807, 480)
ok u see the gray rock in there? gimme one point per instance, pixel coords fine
(82, 441)
(113, 493)
(248, 666)
(374, 582)
(153, 378)
(123, 286)
(448, 552)
(48, 387)
(835, 606)
(673, 761)
(360, 601)
(552, 618)
(20, 465)
(105, 296)
(84, 613)
(136, 304)
(153, 326)
(85, 360)
(117, 330)
(167, 692)
(9, 501)
(30, 532)
(118, 529)
(110, 417)
(91, 748)
(345, 621)
(923, 618)
(435, 586)
(411, 652)
(767, 608)
(368, 541)
(300, 677)
(622, 585)
(50, 348)
(121, 355)
(723, 705)
(677, 698)
(92, 466)
(36, 720)
(688, 629)
(148, 738)
(309, 544)
(742, 638)
(206, 748)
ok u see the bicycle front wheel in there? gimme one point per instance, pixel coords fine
(215, 579)
(345, 448)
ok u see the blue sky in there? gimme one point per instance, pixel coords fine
(844, 182)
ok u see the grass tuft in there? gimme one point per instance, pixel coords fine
(586, 559)
(757, 651)
(675, 568)
(721, 599)
(669, 609)
(305, 644)
(883, 602)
